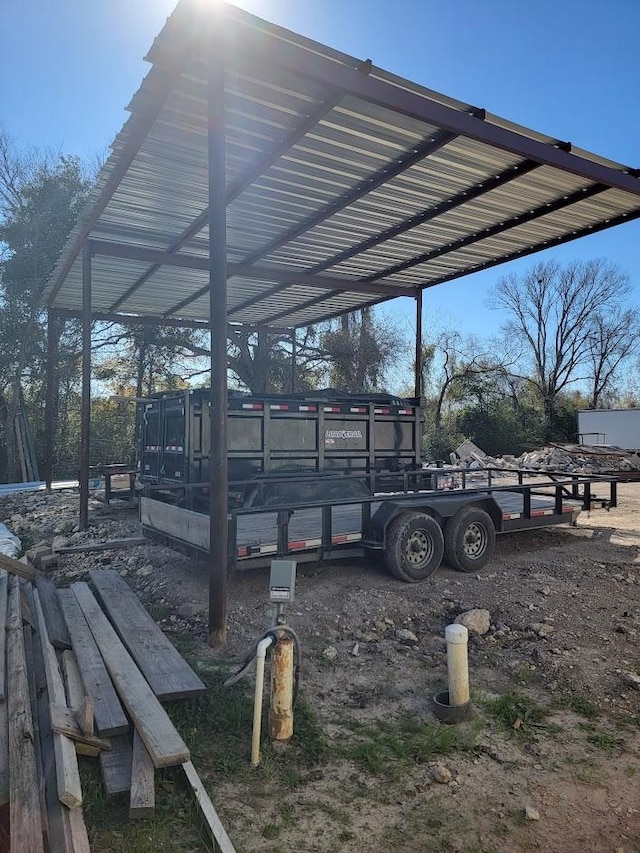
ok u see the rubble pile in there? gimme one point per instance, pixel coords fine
(570, 458)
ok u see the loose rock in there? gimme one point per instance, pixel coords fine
(330, 653)
(441, 773)
(407, 637)
(531, 814)
(476, 621)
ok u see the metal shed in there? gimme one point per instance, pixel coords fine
(265, 179)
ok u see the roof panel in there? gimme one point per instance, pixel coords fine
(333, 166)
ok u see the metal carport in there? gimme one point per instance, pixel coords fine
(268, 180)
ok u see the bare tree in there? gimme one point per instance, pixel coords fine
(552, 311)
(454, 367)
(613, 339)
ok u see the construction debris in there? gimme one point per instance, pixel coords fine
(570, 458)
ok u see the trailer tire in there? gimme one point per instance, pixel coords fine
(469, 539)
(415, 545)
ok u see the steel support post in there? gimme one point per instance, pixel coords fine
(50, 404)
(217, 221)
(418, 382)
(294, 349)
(85, 412)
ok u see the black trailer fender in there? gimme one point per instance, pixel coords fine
(440, 506)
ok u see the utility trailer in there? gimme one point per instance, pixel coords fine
(329, 476)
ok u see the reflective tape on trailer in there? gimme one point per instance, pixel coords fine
(253, 407)
(382, 411)
(279, 407)
(308, 408)
(537, 513)
(296, 545)
(333, 409)
(358, 410)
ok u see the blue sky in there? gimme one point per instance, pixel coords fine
(568, 68)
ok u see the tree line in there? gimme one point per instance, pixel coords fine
(567, 341)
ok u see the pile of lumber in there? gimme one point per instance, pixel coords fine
(84, 674)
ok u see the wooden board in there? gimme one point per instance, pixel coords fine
(75, 831)
(221, 840)
(15, 567)
(56, 626)
(77, 699)
(55, 838)
(4, 580)
(115, 766)
(4, 754)
(67, 774)
(110, 718)
(129, 542)
(168, 674)
(142, 801)
(24, 804)
(29, 656)
(64, 721)
(165, 745)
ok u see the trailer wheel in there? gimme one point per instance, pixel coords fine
(415, 545)
(469, 539)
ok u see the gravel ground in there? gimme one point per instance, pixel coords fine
(565, 617)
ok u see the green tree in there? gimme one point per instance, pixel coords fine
(40, 199)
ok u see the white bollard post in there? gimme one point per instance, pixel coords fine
(457, 638)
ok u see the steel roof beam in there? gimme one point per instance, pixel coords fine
(501, 227)
(417, 106)
(285, 275)
(332, 315)
(154, 320)
(430, 213)
(244, 181)
(545, 244)
(390, 170)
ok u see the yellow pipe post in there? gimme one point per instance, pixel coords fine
(281, 707)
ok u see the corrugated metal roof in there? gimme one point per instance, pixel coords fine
(334, 169)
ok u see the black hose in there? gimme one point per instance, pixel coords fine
(274, 633)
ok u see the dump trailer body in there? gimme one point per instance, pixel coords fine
(270, 434)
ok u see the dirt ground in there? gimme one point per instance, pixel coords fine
(565, 622)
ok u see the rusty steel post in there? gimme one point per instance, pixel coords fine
(281, 703)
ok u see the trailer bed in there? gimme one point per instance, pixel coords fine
(257, 532)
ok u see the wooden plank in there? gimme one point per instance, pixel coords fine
(142, 801)
(110, 718)
(4, 754)
(75, 831)
(168, 674)
(54, 829)
(115, 766)
(4, 580)
(56, 626)
(63, 720)
(15, 567)
(29, 656)
(222, 842)
(77, 699)
(67, 774)
(24, 802)
(165, 745)
(129, 542)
